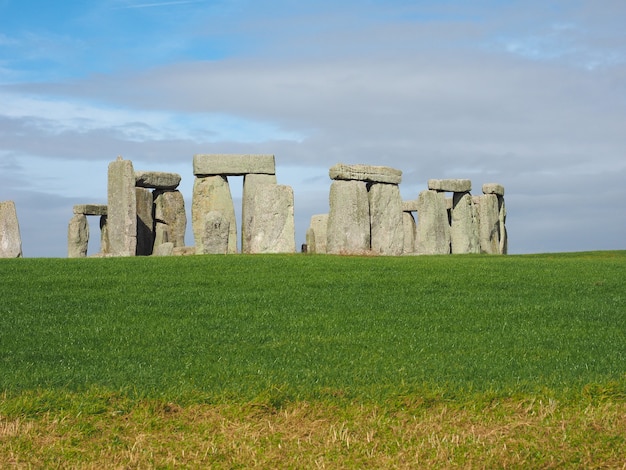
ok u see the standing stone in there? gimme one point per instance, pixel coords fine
(349, 218)
(410, 231)
(488, 214)
(250, 184)
(464, 227)
(386, 229)
(170, 218)
(216, 233)
(10, 239)
(77, 236)
(310, 241)
(122, 208)
(504, 237)
(212, 193)
(272, 228)
(433, 229)
(104, 235)
(318, 234)
(145, 222)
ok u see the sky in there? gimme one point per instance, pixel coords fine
(530, 94)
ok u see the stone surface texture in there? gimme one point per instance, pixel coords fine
(212, 193)
(409, 228)
(164, 249)
(493, 188)
(77, 236)
(122, 208)
(433, 227)
(409, 206)
(386, 229)
(319, 234)
(488, 214)
(251, 182)
(216, 232)
(232, 164)
(90, 209)
(348, 218)
(10, 238)
(145, 222)
(272, 227)
(464, 225)
(368, 173)
(170, 218)
(104, 235)
(450, 185)
(157, 180)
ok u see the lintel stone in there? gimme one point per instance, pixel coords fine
(493, 188)
(157, 180)
(409, 206)
(233, 164)
(90, 209)
(368, 173)
(451, 185)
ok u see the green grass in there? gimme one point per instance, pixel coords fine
(236, 327)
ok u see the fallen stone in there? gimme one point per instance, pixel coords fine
(233, 164)
(464, 226)
(122, 208)
(145, 222)
(216, 230)
(212, 193)
(170, 217)
(433, 227)
(386, 229)
(493, 188)
(319, 234)
(348, 219)
(250, 184)
(164, 249)
(10, 239)
(368, 173)
(77, 236)
(488, 215)
(272, 228)
(410, 230)
(90, 209)
(184, 250)
(157, 180)
(450, 185)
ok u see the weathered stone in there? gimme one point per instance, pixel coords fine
(349, 218)
(216, 232)
(122, 208)
(212, 193)
(184, 250)
(368, 173)
(386, 230)
(433, 228)
(232, 164)
(450, 185)
(272, 228)
(90, 209)
(310, 241)
(250, 184)
(145, 222)
(319, 234)
(10, 239)
(170, 217)
(493, 188)
(409, 206)
(410, 230)
(77, 236)
(164, 249)
(464, 226)
(104, 235)
(488, 215)
(157, 180)
(504, 238)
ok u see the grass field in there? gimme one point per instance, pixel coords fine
(314, 361)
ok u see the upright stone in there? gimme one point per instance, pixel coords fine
(216, 232)
(212, 193)
(272, 228)
(386, 229)
(250, 184)
(349, 218)
(319, 234)
(104, 235)
(10, 239)
(433, 229)
(488, 214)
(145, 222)
(122, 208)
(77, 236)
(170, 218)
(504, 237)
(410, 231)
(464, 226)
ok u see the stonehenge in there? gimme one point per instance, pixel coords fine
(367, 215)
(10, 239)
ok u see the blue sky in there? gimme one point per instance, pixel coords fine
(530, 94)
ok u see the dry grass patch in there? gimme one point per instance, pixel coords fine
(519, 433)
